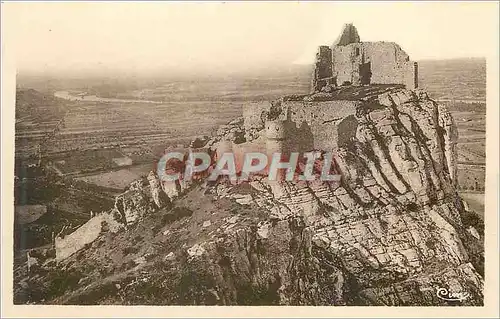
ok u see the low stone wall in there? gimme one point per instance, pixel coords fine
(84, 235)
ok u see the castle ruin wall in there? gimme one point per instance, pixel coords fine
(352, 62)
(373, 63)
(315, 120)
(308, 127)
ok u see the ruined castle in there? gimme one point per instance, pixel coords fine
(350, 61)
(349, 77)
(393, 232)
(345, 76)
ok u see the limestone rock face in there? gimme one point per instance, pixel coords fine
(233, 132)
(389, 233)
(140, 200)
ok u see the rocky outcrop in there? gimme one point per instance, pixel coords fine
(140, 200)
(288, 263)
(390, 233)
(131, 206)
(160, 198)
(234, 132)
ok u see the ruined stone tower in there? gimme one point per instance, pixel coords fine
(276, 137)
(281, 133)
(349, 35)
(352, 62)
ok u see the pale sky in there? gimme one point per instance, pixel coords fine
(215, 36)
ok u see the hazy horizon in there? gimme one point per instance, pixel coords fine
(152, 37)
(165, 74)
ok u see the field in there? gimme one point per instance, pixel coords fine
(457, 79)
(101, 125)
(93, 134)
(119, 179)
(475, 201)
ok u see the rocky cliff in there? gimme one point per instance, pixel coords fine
(393, 231)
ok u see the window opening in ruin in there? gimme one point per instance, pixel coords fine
(357, 51)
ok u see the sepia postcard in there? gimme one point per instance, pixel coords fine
(234, 159)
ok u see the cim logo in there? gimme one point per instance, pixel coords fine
(445, 294)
